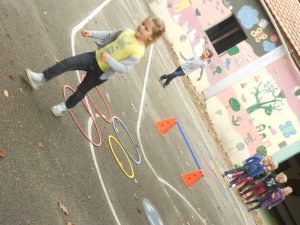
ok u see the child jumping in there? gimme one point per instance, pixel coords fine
(118, 52)
(189, 66)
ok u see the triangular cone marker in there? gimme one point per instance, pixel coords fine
(190, 179)
(163, 126)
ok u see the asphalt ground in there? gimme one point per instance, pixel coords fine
(47, 159)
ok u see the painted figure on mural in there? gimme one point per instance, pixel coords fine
(180, 5)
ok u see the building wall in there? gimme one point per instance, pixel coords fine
(260, 113)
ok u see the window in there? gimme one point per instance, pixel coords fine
(226, 34)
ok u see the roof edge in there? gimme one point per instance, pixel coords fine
(281, 36)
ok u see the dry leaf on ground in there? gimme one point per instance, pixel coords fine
(12, 77)
(63, 208)
(5, 93)
(69, 223)
(40, 144)
(2, 154)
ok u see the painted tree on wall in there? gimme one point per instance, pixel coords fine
(270, 105)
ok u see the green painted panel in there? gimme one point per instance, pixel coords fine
(287, 152)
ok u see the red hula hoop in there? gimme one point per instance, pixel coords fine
(96, 108)
(77, 123)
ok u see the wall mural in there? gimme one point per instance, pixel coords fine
(256, 25)
(261, 36)
(260, 112)
(264, 109)
(191, 16)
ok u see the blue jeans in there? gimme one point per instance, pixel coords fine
(87, 62)
(169, 77)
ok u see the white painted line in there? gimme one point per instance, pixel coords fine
(90, 122)
(73, 34)
(188, 108)
(141, 145)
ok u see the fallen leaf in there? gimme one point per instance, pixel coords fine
(108, 97)
(69, 223)
(180, 150)
(20, 124)
(2, 154)
(12, 77)
(40, 144)
(187, 164)
(63, 208)
(133, 106)
(5, 93)
(56, 60)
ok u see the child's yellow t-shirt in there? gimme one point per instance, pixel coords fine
(124, 46)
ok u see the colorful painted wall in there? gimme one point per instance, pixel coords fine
(263, 110)
(196, 16)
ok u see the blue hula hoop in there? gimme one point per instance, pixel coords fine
(120, 140)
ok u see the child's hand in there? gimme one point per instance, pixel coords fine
(86, 33)
(105, 56)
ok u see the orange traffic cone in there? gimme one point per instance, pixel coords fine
(163, 126)
(191, 178)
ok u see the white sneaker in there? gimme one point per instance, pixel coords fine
(35, 79)
(229, 176)
(59, 109)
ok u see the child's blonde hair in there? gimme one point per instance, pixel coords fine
(158, 29)
(267, 160)
(282, 176)
(287, 190)
(274, 165)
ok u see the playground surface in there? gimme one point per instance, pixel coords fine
(52, 174)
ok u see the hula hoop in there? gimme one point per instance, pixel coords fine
(117, 159)
(77, 123)
(119, 138)
(96, 108)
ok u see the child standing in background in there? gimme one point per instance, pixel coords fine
(269, 183)
(189, 66)
(271, 198)
(251, 168)
(118, 52)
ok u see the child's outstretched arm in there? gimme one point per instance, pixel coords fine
(252, 159)
(201, 74)
(183, 57)
(103, 37)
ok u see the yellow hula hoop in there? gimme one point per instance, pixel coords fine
(117, 159)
